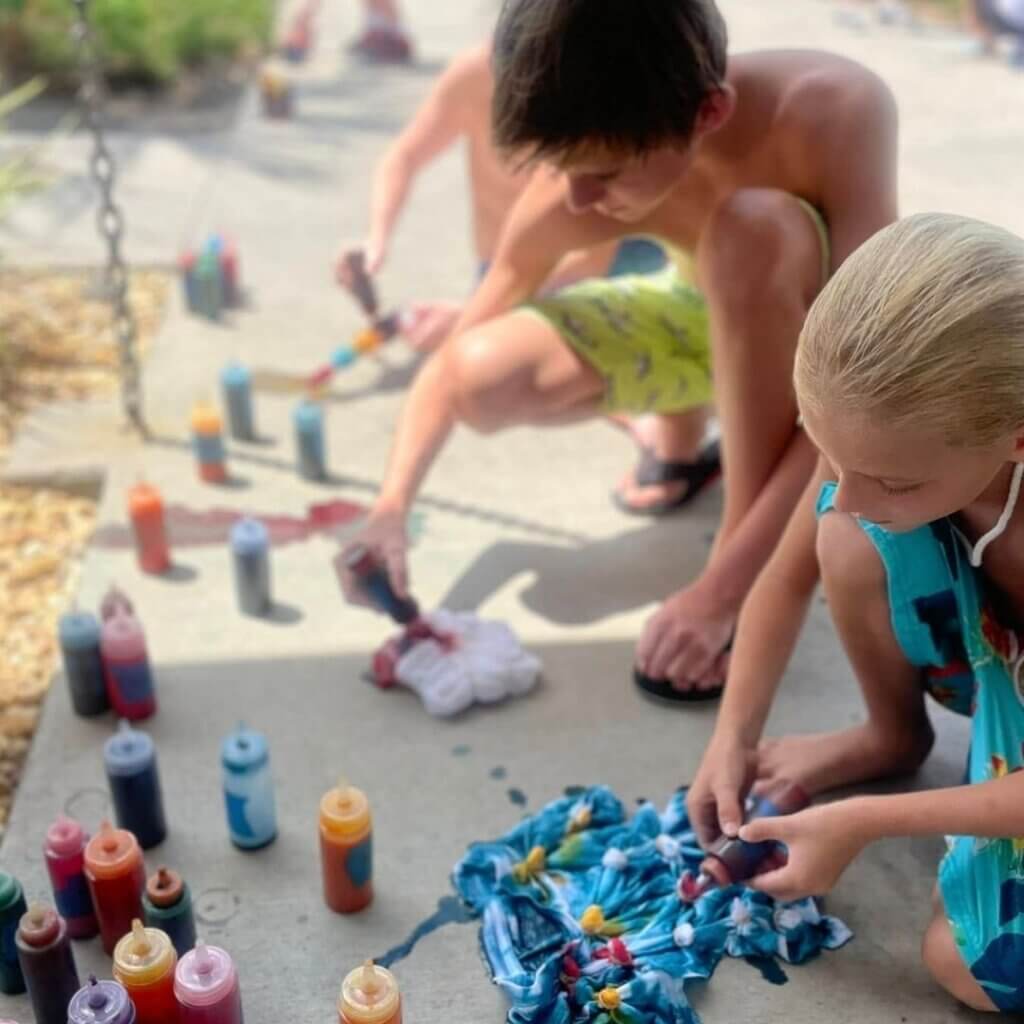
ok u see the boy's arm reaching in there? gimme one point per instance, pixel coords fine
(439, 122)
(536, 236)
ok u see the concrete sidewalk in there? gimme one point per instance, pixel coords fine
(531, 540)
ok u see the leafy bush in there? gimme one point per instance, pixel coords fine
(147, 38)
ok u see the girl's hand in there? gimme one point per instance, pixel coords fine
(821, 843)
(715, 800)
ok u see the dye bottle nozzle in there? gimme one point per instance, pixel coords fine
(369, 995)
(730, 859)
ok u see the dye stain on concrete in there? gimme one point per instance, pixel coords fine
(517, 797)
(769, 968)
(461, 750)
(450, 910)
(499, 772)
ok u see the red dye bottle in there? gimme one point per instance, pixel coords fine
(65, 863)
(117, 878)
(130, 687)
(206, 984)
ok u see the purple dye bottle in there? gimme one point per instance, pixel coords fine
(44, 952)
(101, 1002)
(64, 851)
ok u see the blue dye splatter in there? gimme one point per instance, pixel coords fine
(450, 910)
(517, 796)
(498, 772)
(461, 750)
(769, 968)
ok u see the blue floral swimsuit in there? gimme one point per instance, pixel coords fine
(945, 625)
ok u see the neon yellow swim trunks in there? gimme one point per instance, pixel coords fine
(648, 335)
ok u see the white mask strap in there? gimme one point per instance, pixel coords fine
(1000, 528)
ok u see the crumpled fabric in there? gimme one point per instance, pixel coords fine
(484, 664)
(582, 920)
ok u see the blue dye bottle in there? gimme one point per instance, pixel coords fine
(248, 789)
(130, 759)
(79, 635)
(236, 385)
(250, 554)
(308, 419)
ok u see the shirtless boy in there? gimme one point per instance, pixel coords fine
(766, 170)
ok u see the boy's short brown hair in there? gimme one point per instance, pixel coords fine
(629, 75)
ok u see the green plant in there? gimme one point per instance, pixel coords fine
(151, 38)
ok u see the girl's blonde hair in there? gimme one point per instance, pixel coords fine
(923, 326)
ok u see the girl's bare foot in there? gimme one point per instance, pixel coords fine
(829, 760)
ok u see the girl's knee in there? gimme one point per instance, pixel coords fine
(941, 956)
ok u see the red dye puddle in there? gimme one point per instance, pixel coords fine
(187, 527)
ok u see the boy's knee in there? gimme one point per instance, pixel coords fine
(945, 964)
(760, 247)
(478, 393)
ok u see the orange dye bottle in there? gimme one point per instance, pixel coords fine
(369, 995)
(346, 849)
(144, 962)
(146, 511)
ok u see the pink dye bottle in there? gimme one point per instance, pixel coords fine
(126, 666)
(64, 850)
(206, 986)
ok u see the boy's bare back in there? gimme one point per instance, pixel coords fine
(494, 185)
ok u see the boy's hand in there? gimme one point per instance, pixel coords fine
(426, 324)
(373, 259)
(384, 534)
(821, 843)
(715, 800)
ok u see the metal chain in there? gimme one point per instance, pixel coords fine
(109, 219)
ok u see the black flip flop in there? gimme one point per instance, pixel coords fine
(663, 690)
(696, 475)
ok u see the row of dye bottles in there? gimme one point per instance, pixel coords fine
(107, 665)
(153, 986)
(211, 277)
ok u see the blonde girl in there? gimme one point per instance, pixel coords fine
(910, 379)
